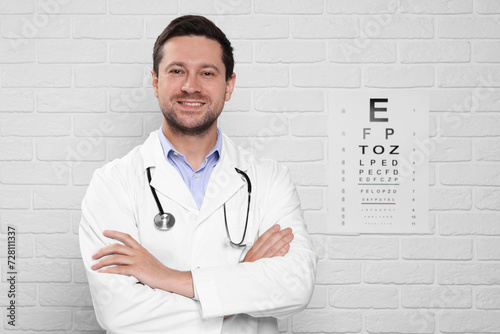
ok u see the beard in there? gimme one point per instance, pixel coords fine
(198, 128)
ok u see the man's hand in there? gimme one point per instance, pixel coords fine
(132, 259)
(270, 244)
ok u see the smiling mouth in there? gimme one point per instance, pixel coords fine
(191, 104)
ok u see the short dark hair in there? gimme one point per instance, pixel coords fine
(194, 25)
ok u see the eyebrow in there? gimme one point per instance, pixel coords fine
(182, 64)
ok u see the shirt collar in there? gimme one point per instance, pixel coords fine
(169, 149)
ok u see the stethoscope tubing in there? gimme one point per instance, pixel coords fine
(249, 188)
(165, 221)
(153, 191)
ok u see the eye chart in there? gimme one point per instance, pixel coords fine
(378, 152)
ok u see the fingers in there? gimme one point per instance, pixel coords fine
(123, 237)
(110, 261)
(253, 254)
(269, 244)
(283, 250)
(264, 237)
(272, 243)
(112, 249)
(277, 242)
(121, 270)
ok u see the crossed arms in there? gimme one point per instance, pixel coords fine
(131, 259)
(119, 301)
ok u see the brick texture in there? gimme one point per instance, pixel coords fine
(75, 93)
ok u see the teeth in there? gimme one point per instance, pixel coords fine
(197, 104)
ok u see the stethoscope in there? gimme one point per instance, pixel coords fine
(164, 221)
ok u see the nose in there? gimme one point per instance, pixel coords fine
(191, 85)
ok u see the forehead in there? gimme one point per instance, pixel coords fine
(192, 49)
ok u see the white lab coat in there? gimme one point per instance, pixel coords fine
(119, 198)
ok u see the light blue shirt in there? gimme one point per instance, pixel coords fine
(196, 180)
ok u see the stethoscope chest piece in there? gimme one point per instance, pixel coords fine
(164, 221)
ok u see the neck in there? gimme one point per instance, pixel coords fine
(194, 148)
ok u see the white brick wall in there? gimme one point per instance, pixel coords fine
(75, 93)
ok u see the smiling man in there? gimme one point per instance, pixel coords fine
(189, 233)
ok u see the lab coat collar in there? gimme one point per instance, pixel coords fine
(224, 181)
(164, 178)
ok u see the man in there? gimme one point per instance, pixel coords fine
(238, 255)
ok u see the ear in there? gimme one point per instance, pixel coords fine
(155, 82)
(230, 86)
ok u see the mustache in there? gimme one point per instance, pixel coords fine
(195, 96)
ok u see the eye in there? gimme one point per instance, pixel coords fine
(175, 71)
(208, 74)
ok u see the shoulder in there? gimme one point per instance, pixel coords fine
(127, 167)
(263, 168)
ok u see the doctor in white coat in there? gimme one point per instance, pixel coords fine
(190, 278)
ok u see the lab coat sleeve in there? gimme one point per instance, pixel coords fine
(279, 286)
(121, 303)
